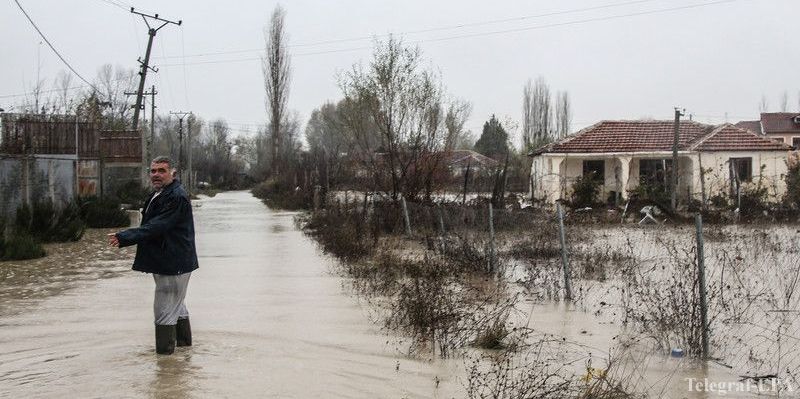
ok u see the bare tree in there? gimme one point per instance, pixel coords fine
(527, 115)
(785, 101)
(763, 106)
(36, 92)
(404, 101)
(538, 124)
(542, 112)
(328, 140)
(276, 69)
(112, 83)
(457, 115)
(62, 86)
(563, 114)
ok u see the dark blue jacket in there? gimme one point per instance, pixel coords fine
(165, 239)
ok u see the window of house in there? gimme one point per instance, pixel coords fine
(741, 169)
(655, 172)
(796, 143)
(595, 168)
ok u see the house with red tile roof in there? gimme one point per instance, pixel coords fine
(781, 126)
(626, 154)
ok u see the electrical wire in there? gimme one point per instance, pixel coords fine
(582, 21)
(185, 83)
(43, 91)
(119, 4)
(428, 30)
(53, 48)
(472, 35)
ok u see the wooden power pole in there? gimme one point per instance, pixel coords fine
(180, 115)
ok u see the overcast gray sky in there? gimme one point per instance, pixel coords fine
(617, 59)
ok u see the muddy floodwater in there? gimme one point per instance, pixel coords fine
(269, 317)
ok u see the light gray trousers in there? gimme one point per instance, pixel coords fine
(168, 305)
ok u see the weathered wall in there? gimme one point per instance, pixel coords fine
(552, 176)
(117, 175)
(35, 178)
(769, 170)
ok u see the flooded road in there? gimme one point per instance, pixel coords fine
(269, 318)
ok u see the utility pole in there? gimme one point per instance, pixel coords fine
(151, 145)
(190, 181)
(674, 182)
(145, 65)
(180, 115)
(146, 146)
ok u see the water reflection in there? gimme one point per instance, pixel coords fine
(174, 376)
(268, 320)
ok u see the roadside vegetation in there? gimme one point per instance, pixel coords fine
(43, 222)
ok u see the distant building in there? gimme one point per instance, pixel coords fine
(59, 157)
(626, 154)
(780, 126)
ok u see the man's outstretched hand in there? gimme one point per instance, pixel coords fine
(113, 240)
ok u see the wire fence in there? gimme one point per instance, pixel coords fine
(645, 279)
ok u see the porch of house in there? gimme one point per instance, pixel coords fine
(621, 174)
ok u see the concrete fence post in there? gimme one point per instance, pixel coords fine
(564, 256)
(701, 275)
(405, 215)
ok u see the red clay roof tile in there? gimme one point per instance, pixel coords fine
(657, 136)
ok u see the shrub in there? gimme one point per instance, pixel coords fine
(341, 234)
(754, 200)
(103, 212)
(22, 247)
(649, 194)
(282, 195)
(585, 191)
(493, 337)
(43, 222)
(69, 226)
(131, 193)
(792, 197)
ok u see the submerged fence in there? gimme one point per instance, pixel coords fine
(725, 294)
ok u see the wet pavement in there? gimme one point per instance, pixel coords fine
(269, 317)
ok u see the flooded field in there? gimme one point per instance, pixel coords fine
(273, 318)
(269, 320)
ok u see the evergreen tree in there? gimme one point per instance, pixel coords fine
(494, 139)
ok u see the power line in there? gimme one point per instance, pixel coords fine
(582, 21)
(472, 24)
(117, 4)
(52, 47)
(429, 30)
(534, 27)
(42, 91)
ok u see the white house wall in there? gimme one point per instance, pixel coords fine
(553, 175)
(769, 168)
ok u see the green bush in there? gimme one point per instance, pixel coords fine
(21, 247)
(754, 200)
(792, 197)
(103, 212)
(647, 194)
(585, 191)
(70, 225)
(43, 222)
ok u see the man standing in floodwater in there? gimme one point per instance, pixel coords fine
(165, 248)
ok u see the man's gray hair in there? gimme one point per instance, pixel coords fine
(163, 159)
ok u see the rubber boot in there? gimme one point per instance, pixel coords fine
(165, 339)
(183, 331)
